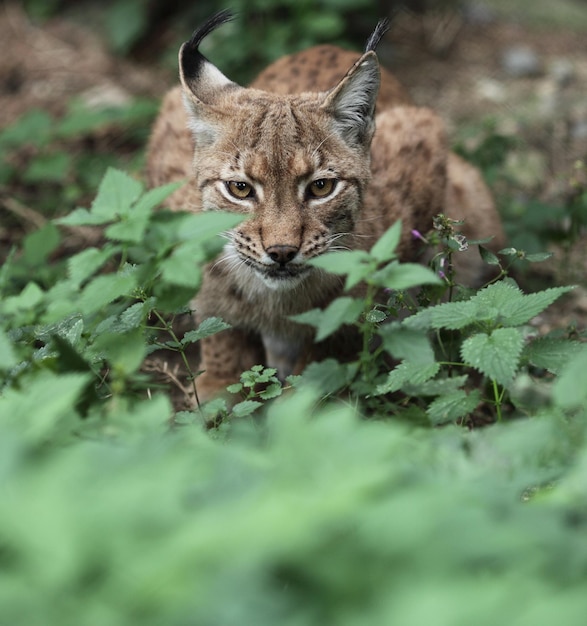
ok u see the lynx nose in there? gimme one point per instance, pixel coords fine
(282, 254)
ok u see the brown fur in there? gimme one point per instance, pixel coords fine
(279, 134)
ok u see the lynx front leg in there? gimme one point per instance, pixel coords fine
(224, 357)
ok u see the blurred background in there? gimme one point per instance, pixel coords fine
(81, 81)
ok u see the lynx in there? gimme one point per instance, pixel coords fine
(324, 150)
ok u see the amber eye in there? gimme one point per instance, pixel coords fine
(321, 187)
(239, 189)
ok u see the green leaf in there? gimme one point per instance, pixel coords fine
(355, 264)
(40, 244)
(183, 266)
(329, 376)
(27, 299)
(48, 168)
(246, 407)
(520, 310)
(116, 194)
(344, 310)
(209, 326)
(200, 227)
(538, 257)
(407, 372)
(124, 352)
(453, 406)
(385, 247)
(272, 391)
(551, 354)
(404, 276)
(488, 256)
(570, 390)
(8, 357)
(405, 343)
(497, 355)
(105, 289)
(375, 316)
(452, 315)
(86, 263)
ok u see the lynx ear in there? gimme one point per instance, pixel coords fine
(201, 80)
(352, 101)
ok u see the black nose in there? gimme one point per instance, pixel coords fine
(282, 254)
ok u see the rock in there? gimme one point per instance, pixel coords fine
(562, 71)
(521, 62)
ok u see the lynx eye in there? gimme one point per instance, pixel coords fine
(239, 189)
(321, 187)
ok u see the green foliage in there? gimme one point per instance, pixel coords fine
(112, 518)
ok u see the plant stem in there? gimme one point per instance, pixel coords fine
(181, 350)
(498, 399)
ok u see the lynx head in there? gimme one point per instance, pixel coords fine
(297, 165)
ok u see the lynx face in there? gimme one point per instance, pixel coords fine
(297, 166)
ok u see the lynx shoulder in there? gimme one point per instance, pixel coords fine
(323, 150)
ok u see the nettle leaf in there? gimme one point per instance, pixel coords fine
(84, 264)
(183, 266)
(453, 406)
(521, 309)
(437, 386)
(406, 373)
(497, 355)
(375, 316)
(453, 315)
(27, 299)
(355, 264)
(538, 257)
(105, 289)
(329, 376)
(208, 327)
(385, 247)
(404, 276)
(551, 354)
(406, 343)
(341, 311)
(117, 193)
(272, 391)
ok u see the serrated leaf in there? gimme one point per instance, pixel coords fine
(453, 315)
(341, 311)
(497, 355)
(183, 266)
(27, 299)
(273, 391)
(83, 217)
(385, 247)
(551, 354)
(355, 264)
(125, 352)
(404, 276)
(520, 310)
(105, 289)
(407, 372)
(246, 407)
(82, 265)
(405, 343)
(116, 194)
(437, 386)
(453, 406)
(235, 388)
(209, 326)
(329, 376)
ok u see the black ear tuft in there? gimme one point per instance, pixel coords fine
(191, 58)
(375, 37)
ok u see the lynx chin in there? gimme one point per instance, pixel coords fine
(323, 151)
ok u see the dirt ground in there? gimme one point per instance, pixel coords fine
(447, 62)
